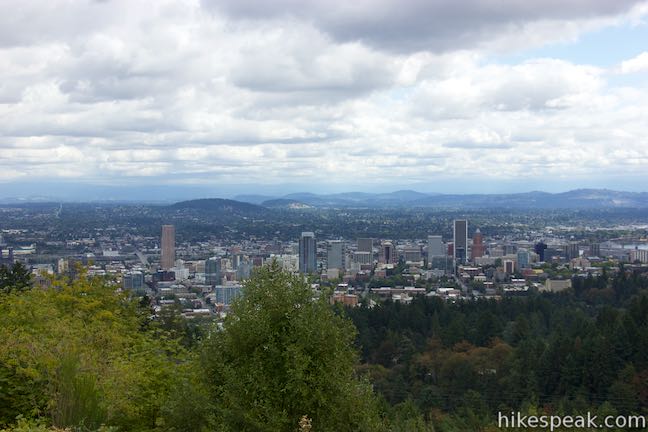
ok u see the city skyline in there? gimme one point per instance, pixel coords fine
(435, 96)
(323, 215)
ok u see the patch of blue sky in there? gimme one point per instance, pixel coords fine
(605, 47)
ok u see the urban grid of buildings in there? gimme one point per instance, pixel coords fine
(205, 278)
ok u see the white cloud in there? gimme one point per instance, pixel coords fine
(170, 88)
(635, 64)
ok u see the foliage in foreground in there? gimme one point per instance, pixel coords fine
(282, 356)
(81, 356)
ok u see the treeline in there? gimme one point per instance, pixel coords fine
(81, 356)
(570, 353)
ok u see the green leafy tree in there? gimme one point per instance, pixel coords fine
(283, 355)
(16, 278)
(75, 355)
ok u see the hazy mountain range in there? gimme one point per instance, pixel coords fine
(580, 198)
(577, 199)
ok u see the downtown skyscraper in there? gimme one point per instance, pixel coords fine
(167, 259)
(307, 253)
(335, 254)
(460, 238)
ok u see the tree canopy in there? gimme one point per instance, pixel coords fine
(281, 356)
(75, 355)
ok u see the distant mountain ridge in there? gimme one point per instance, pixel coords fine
(219, 205)
(576, 199)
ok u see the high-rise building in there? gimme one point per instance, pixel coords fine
(133, 280)
(243, 270)
(365, 245)
(440, 263)
(335, 254)
(127, 281)
(7, 261)
(460, 237)
(572, 250)
(362, 257)
(213, 271)
(236, 260)
(540, 249)
(412, 254)
(388, 253)
(595, 250)
(640, 255)
(225, 294)
(435, 247)
(167, 260)
(478, 247)
(62, 266)
(307, 253)
(523, 258)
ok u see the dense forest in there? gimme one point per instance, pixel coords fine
(81, 356)
(568, 353)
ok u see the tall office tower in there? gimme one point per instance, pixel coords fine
(595, 250)
(236, 260)
(478, 247)
(523, 258)
(365, 245)
(335, 254)
(572, 250)
(307, 253)
(213, 273)
(167, 260)
(435, 247)
(243, 270)
(388, 253)
(460, 236)
(540, 249)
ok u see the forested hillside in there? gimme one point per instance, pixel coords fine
(567, 353)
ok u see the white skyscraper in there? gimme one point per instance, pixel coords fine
(335, 254)
(435, 246)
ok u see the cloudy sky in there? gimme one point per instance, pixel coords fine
(324, 95)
